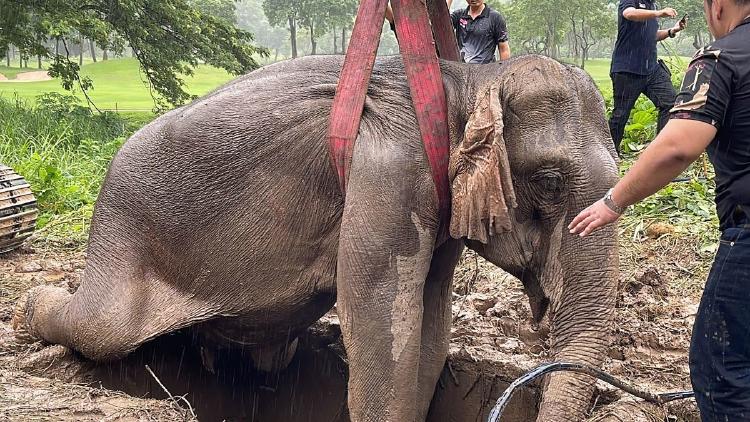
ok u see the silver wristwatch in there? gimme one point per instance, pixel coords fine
(611, 204)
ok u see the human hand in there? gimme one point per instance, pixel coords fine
(592, 218)
(667, 12)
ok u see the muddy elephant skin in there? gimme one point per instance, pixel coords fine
(225, 215)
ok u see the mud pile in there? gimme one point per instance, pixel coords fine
(493, 343)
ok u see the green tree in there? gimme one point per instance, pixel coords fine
(222, 9)
(317, 17)
(590, 21)
(284, 13)
(340, 17)
(250, 17)
(536, 26)
(697, 28)
(168, 37)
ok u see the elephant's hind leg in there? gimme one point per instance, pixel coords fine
(436, 323)
(116, 309)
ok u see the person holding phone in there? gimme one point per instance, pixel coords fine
(635, 69)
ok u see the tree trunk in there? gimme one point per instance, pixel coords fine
(585, 57)
(92, 47)
(313, 43)
(293, 36)
(335, 41)
(38, 62)
(57, 46)
(7, 57)
(80, 53)
(343, 40)
(104, 54)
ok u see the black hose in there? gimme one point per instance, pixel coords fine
(542, 370)
(688, 179)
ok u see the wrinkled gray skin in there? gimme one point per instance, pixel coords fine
(226, 215)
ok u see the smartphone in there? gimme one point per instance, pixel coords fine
(684, 18)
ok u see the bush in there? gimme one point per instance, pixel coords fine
(641, 127)
(62, 150)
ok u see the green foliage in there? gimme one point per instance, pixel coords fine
(168, 37)
(641, 127)
(222, 9)
(63, 151)
(688, 203)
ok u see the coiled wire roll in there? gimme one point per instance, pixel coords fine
(18, 210)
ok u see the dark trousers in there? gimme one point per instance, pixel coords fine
(627, 87)
(720, 347)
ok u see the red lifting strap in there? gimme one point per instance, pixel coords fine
(351, 91)
(427, 92)
(422, 72)
(442, 30)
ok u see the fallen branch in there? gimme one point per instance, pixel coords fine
(173, 398)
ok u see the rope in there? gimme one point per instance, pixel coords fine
(542, 370)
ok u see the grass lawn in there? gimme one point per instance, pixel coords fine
(599, 71)
(117, 84)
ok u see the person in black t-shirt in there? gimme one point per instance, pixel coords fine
(712, 113)
(635, 69)
(479, 30)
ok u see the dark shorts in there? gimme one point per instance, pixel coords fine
(720, 347)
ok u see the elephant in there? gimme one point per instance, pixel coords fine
(225, 215)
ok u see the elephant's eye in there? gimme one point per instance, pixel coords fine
(551, 183)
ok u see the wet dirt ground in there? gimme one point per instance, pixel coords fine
(492, 344)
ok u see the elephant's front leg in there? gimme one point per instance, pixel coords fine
(384, 257)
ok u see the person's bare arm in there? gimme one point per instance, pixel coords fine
(642, 15)
(679, 144)
(504, 49)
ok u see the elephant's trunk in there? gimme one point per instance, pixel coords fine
(581, 315)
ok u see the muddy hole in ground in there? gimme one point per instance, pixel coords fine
(311, 389)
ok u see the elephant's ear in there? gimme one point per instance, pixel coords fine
(482, 188)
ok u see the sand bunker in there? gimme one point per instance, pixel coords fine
(36, 76)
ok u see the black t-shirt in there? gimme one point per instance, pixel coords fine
(478, 38)
(716, 90)
(635, 49)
